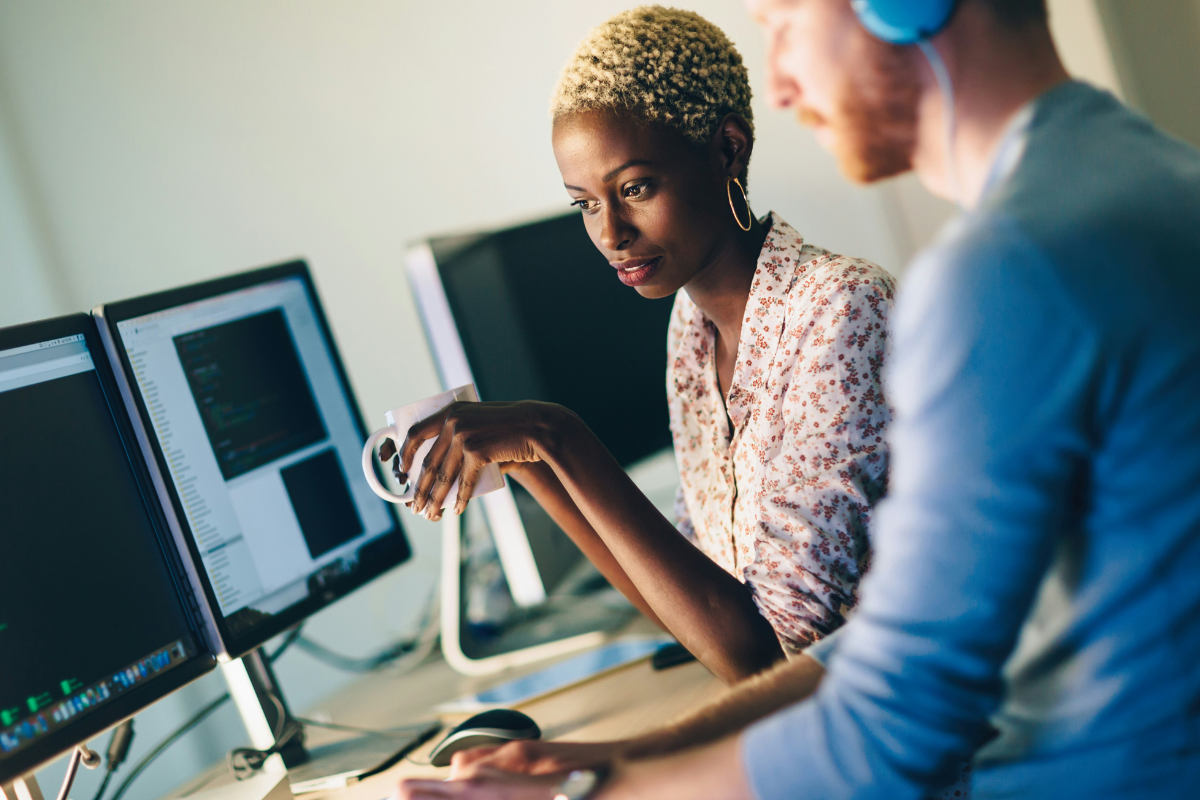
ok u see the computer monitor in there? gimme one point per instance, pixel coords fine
(254, 440)
(535, 312)
(94, 623)
(248, 421)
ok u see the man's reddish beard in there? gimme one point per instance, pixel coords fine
(874, 128)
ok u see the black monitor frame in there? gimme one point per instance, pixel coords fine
(229, 645)
(128, 703)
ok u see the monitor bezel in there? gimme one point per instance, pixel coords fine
(112, 314)
(128, 703)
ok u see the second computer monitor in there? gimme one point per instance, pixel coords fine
(244, 407)
(536, 312)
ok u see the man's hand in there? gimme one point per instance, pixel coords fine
(532, 757)
(712, 771)
(486, 784)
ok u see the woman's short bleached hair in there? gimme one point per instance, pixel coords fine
(664, 65)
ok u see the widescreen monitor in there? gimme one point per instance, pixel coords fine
(249, 422)
(94, 623)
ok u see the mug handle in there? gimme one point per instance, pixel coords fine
(368, 464)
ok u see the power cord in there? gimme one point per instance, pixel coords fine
(245, 761)
(360, 666)
(357, 665)
(403, 656)
(288, 640)
(158, 749)
(946, 87)
(118, 751)
(333, 726)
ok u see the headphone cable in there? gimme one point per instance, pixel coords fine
(946, 86)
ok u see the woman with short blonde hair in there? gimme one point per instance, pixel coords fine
(775, 351)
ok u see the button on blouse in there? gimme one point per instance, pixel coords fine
(783, 501)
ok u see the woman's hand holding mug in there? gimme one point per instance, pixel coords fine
(401, 421)
(470, 437)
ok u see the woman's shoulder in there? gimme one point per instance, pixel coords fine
(825, 272)
(821, 273)
(831, 283)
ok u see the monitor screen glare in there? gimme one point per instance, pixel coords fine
(260, 442)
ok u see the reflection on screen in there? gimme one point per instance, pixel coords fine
(260, 441)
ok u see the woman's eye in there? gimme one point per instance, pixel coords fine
(636, 190)
(584, 205)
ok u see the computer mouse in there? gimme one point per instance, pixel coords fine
(494, 727)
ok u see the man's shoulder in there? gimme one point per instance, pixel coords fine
(972, 256)
(1094, 175)
(980, 265)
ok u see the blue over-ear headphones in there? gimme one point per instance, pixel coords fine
(904, 21)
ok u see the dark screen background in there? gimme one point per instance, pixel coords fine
(322, 501)
(252, 391)
(84, 590)
(542, 316)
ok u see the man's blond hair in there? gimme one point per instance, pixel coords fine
(664, 65)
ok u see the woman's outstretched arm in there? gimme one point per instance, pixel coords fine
(707, 609)
(541, 482)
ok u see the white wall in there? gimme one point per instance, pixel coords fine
(1157, 56)
(1081, 42)
(146, 144)
(27, 283)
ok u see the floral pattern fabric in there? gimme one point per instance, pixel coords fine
(783, 500)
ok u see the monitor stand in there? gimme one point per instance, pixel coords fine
(263, 709)
(23, 788)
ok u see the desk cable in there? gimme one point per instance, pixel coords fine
(402, 657)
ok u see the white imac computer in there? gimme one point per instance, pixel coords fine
(535, 312)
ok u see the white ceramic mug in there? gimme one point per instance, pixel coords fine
(399, 420)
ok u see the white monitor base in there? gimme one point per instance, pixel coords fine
(263, 786)
(451, 594)
(25, 788)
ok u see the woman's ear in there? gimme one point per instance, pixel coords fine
(734, 139)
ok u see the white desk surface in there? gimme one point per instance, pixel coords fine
(617, 704)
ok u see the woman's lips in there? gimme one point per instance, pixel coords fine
(636, 271)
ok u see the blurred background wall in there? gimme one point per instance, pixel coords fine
(145, 145)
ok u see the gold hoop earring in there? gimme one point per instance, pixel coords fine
(729, 192)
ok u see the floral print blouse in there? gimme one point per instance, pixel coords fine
(783, 501)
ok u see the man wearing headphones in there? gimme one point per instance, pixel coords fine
(1034, 599)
